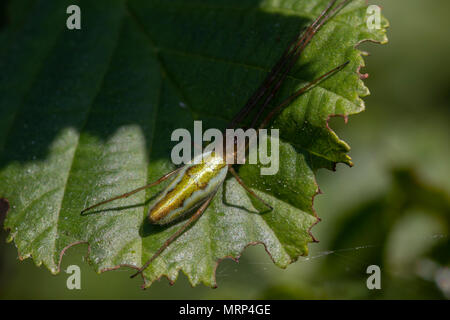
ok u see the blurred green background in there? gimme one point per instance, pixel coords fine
(391, 209)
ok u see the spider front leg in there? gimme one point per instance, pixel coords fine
(236, 176)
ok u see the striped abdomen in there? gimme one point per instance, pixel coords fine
(189, 189)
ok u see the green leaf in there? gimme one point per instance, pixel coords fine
(87, 114)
